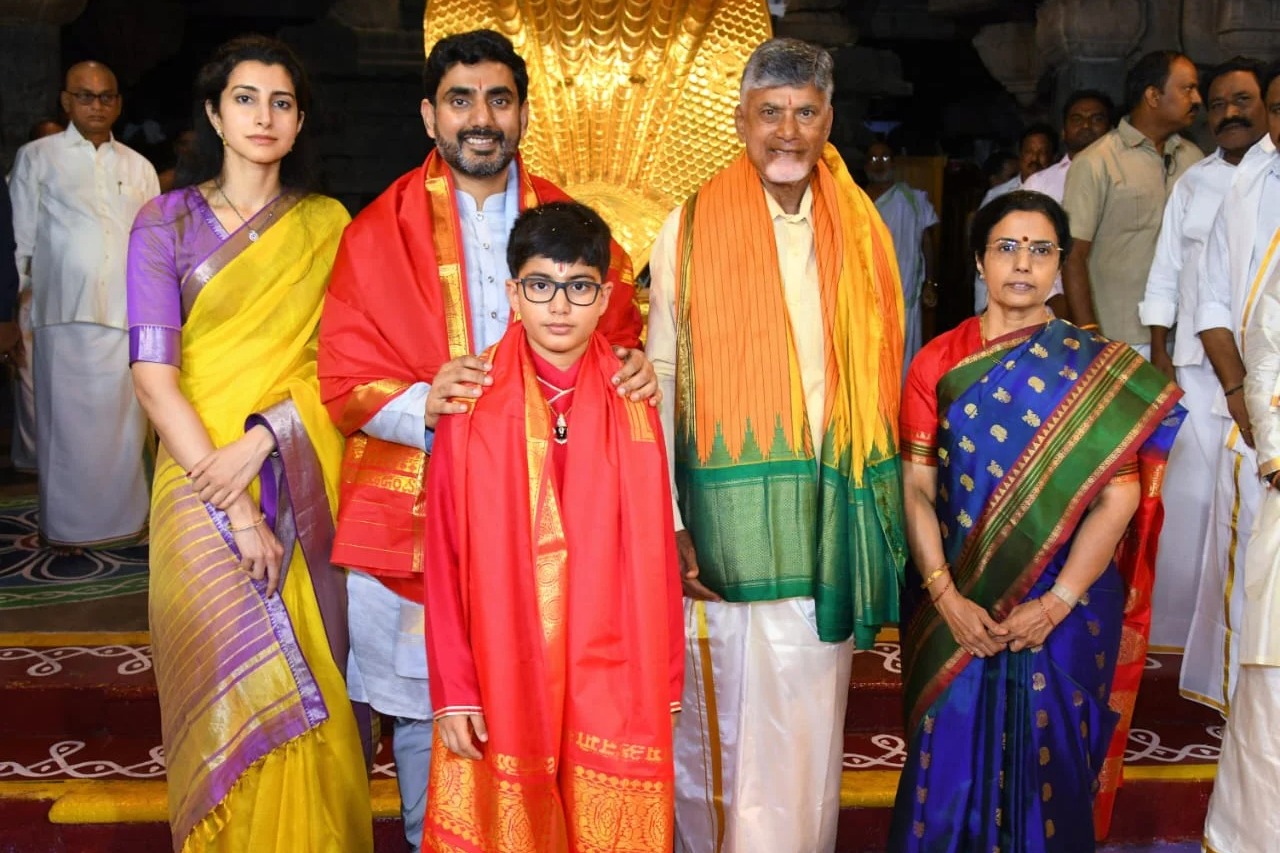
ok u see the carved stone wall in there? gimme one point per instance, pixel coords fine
(30, 66)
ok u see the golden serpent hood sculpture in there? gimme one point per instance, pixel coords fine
(631, 101)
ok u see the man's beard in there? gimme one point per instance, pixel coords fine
(478, 167)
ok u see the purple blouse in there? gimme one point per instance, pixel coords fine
(171, 235)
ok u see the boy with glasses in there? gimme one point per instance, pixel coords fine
(554, 626)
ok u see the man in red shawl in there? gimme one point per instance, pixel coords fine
(554, 614)
(417, 289)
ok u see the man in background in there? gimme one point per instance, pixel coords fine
(75, 195)
(1237, 118)
(1115, 194)
(912, 222)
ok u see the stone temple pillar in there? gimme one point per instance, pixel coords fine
(1089, 43)
(30, 65)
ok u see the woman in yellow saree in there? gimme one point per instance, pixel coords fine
(226, 280)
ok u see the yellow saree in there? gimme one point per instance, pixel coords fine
(261, 747)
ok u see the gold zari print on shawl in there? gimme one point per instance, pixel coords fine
(619, 815)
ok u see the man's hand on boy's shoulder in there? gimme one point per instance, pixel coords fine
(459, 379)
(636, 377)
(688, 561)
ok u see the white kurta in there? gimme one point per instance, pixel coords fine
(908, 213)
(1239, 255)
(73, 207)
(756, 675)
(1242, 814)
(1170, 301)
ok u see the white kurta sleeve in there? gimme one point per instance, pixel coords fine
(660, 345)
(1213, 285)
(1262, 380)
(1159, 305)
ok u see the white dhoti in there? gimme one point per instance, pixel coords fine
(1188, 499)
(1211, 659)
(1242, 811)
(22, 446)
(759, 747)
(91, 437)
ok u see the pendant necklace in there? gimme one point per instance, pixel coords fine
(561, 429)
(253, 234)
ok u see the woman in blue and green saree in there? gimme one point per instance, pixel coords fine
(1032, 453)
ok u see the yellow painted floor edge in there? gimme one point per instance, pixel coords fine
(47, 639)
(76, 801)
(80, 801)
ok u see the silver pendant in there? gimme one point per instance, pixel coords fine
(253, 236)
(561, 430)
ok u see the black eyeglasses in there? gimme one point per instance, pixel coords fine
(84, 99)
(579, 291)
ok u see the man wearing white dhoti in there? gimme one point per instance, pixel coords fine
(911, 220)
(1242, 814)
(778, 344)
(1238, 120)
(75, 195)
(1243, 249)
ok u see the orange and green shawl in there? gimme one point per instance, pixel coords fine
(771, 516)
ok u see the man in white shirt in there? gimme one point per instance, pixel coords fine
(75, 195)
(1036, 149)
(1242, 250)
(1238, 120)
(1240, 814)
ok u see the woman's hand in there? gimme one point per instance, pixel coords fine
(261, 553)
(221, 477)
(456, 732)
(1030, 623)
(974, 629)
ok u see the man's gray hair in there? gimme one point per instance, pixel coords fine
(788, 62)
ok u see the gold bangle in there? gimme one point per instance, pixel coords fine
(261, 518)
(934, 576)
(1089, 327)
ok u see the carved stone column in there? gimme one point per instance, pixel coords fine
(1010, 54)
(1089, 41)
(30, 65)
(1249, 28)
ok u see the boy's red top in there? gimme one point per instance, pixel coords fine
(553, 608)
(397, 310)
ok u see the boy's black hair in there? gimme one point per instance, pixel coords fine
(564, 231)
(471, 49)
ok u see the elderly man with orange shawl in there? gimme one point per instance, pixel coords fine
(775, 326)
(419, 287)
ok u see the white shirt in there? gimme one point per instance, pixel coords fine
(1171, 292)
(485, 232)
(1220, 292)
(798, 263)
(73, 206)
(1052, 180)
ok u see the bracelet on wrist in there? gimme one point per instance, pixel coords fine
(1089, 327)
(1045, 611)
(262, 517)
(934, 575)
(1065, 595)
(949, 585)
(1235, 389)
